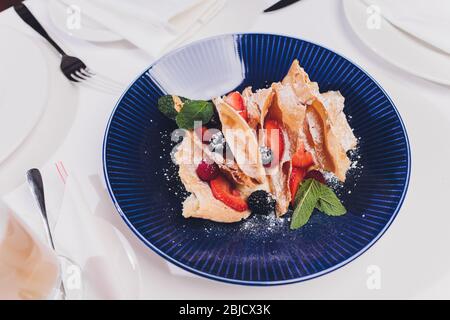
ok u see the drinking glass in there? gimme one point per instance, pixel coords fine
(29, 269)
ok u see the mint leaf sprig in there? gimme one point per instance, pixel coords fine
(329, 203)
(194, 110)
(313, 194)
(185, 111)
(170, 105)
(305, 201)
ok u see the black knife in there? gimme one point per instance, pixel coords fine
(280, 4)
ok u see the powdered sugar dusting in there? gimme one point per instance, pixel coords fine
(353, 174)
(265, 225)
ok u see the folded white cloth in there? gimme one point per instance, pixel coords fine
(428, 20)
(152, 25)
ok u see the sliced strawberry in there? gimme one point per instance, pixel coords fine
(296, 178)
(236, 193)
(223, 191)
(302, 158)
(235, 100)
(274, 139)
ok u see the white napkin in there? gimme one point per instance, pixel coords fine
(94, 244)
(22, 203)
(98, 247)
(152, 25)
(428, 20)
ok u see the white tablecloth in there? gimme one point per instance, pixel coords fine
(412, 257)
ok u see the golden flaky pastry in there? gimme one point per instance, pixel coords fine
(326, 133)
(290, 111)
(231, 170)
(242, 141)
(306, 117)
(253, 109)
(201, 202)
(278, 175)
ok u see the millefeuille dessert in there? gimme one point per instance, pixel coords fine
(264, 151)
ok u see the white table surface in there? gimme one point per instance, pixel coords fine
(413, 255)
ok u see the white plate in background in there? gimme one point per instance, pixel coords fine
(45, 105)
(90, 30)
(23, 78)
(95, 32)
(397, 47)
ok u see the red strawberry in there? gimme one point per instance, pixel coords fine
(296, 178)
(274, 139)
(235, 100)
(223, 191)
(302, 158)
(207, 171)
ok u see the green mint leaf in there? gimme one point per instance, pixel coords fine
(167, 106)
(194, 110)
(305, 201)
(329, 203)
(319, 205)
(184, 100)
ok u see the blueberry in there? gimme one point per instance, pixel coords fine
(261, 202)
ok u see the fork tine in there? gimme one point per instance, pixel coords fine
(73, 77)
(90, 82)
(103, 81)
(75, 70)
(106, 79)
(89, 71)
(84, 73)
(81, 75)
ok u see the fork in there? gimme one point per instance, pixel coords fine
(72, 67)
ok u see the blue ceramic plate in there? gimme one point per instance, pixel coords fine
(145, 188)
